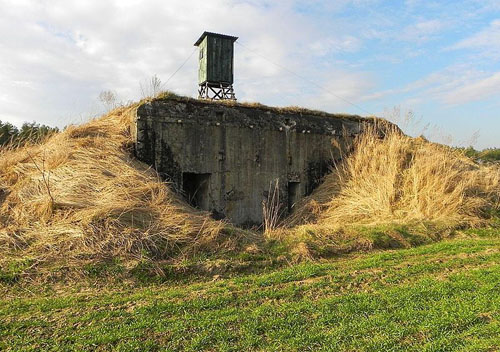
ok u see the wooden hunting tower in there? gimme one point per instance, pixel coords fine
(215, 71)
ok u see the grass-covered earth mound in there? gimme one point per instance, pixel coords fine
(80, 197)
(395, 191)
(79, 201)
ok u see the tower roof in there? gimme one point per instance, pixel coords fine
(218, 35)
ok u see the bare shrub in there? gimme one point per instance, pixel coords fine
(152, 88)
(45, 177)
(108, 99)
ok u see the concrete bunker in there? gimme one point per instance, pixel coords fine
(223, 157)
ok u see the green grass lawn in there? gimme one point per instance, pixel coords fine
(438, 297)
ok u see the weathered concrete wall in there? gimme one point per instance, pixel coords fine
(226, 156)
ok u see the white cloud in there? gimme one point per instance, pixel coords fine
(340, 91)
(421, 31)
(486, 41)
(346, 43)
(473, 91)
(454, 85)
(57, 56)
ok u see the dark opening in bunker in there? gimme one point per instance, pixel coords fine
(293, 194)
(196, 189)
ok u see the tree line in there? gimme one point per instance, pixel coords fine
(29, 132)
(488, 154)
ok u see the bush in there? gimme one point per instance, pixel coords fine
(489, 154)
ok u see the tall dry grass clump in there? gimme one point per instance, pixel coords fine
(81, 195)
(272, 207)
(399, 179)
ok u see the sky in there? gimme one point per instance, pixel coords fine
(431, 66)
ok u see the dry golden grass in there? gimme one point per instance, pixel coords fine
(81, 195)
(398, 180)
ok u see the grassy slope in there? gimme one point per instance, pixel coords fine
(439, 297)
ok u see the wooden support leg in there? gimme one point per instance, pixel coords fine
(222, 92)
